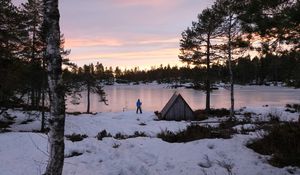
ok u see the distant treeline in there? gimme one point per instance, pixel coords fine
(271, 68)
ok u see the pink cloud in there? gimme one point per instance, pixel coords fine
(159, 41)
(153, 54)
(85, 42)
(114, 42)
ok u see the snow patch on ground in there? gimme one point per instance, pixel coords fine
(26, 152)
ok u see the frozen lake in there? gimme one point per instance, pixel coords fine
(154, 97)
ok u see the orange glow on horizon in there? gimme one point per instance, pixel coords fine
(128, 60)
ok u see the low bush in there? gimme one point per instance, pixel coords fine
(73, 154)
(142, 124)
(202, 114)
(195, 132)
(282, 142)
(116, 145)
(229, 123)
(121, 136)
(74, 113)
(293, 107)
(103, 134)
(76, 137)
(5, 124)
(27, 121)
(219, 112)
(274, 117)
(138, 134)
(5, 121)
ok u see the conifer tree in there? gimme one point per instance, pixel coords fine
(12, 34)
(197, 45)
(33, 51)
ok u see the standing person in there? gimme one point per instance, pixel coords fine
(138, 106)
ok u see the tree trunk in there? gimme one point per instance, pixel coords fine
(43, 112)
(207, 109)
(32, 97)
(230, 68)
(33, 90)
(88, 98)
(43, 98)
(57, 102)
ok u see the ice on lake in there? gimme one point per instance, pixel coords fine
(154, 97)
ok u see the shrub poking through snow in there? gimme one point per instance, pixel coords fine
(282, 142)
(74, 113)
(227, 165)
(246, 130)
(138, 134)
(27, 121)
(73, 154)
(5, 121)
(5, 124)
(76, 137)
(229, 123)
(194, 132)
(103, 134)
(219, 112)
(116, 145)
(121, 136)
(142, 124)
(202, 114)
(274, 117)
(293, 108)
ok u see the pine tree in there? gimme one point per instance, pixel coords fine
(90, 80)
(12, 34)
(34, 49)
(277, 22)
(198, 46)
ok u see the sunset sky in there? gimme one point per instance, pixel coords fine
(127, 33)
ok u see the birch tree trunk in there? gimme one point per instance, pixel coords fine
(230, 66)
(57, 102)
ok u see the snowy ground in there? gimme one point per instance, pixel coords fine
(23, 153)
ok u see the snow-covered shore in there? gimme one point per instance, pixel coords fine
(26, 152)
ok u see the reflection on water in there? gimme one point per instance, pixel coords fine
(155, 97)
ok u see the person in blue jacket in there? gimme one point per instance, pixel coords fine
(138, 106)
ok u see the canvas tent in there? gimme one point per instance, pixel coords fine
(177, 109)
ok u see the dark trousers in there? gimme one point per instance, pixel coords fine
(138, 109)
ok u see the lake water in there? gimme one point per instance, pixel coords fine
(154, 97)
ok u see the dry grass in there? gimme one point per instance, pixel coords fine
(282, 142)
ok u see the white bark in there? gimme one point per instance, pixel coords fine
(230, 66)
(57, 102)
